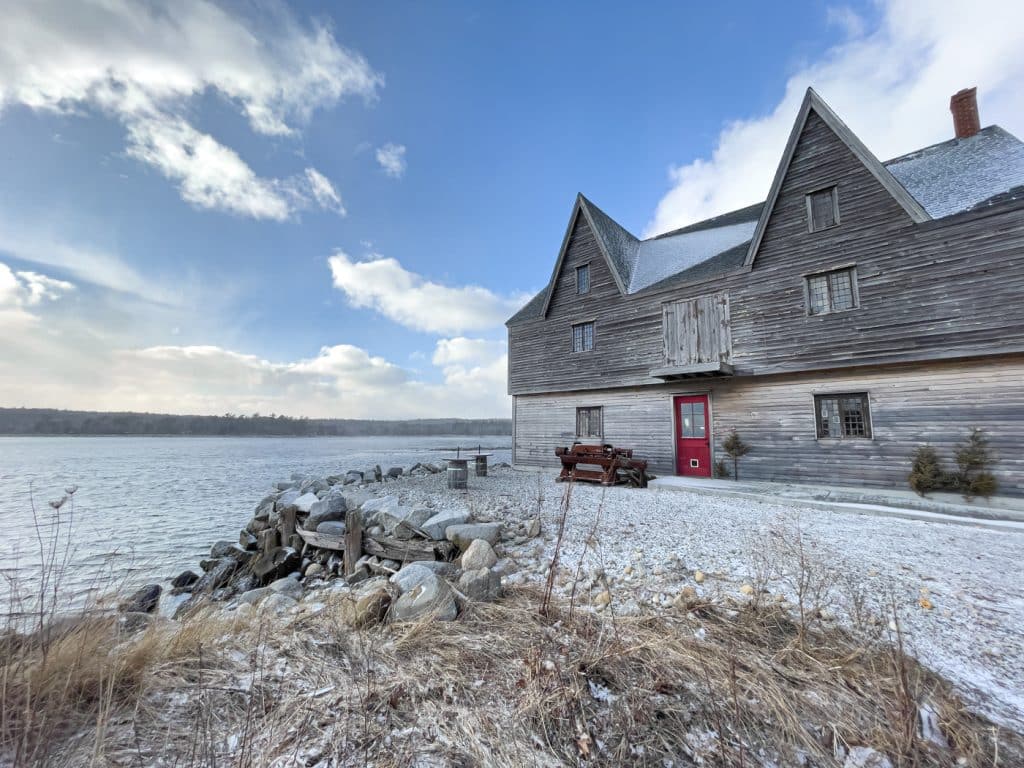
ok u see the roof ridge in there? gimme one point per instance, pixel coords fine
(703, 224)
(994, 128)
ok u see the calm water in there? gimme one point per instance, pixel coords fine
(146, 508)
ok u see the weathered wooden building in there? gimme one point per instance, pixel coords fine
(863, 309)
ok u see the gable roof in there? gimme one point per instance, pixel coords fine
(941, 180)
(960, 174)
(812, 101)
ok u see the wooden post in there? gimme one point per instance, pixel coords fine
(288, 524)
(353, 541)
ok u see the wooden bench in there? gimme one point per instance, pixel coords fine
(616, 466)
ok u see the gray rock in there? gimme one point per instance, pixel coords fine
(332, 528)
(436, 526)
(305, 502)
(313, 485)
(277, 604)
(143, 600)
(411, 576)
(253, 596)
(246, 540)
(283, 485)
(254, 526)
(185, 579)
(370, 476)
(278, 562)
(332, 507)
(411, 518)
(289, 585)
(478, 555)
(228, 549)
(287, 500)
(216, 576)
(313, 570)
(395, 472)
(431, 598)
(480, 584)
(353, 477)
(440, 567)
(464, 534)
(266, 506)
(866, 757)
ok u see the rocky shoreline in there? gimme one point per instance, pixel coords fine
(400, 562)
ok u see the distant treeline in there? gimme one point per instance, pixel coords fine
(48, 421)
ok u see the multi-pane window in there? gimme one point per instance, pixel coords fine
(832, 291)
(822, 209)
(842, 415)
(583, 337)
(691, 420)
(588, 422)
(583, 279)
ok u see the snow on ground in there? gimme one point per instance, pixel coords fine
(650, 544)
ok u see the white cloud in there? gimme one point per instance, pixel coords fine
(391, 157)
(891, 84)
(145, 64)
(323, 191)
(27, 289)
(384, 285)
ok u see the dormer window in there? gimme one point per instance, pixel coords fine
(583, 279)
(822, 209)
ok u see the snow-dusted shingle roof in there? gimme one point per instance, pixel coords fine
(957, 175)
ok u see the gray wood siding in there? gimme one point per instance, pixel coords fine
(910, 404)
(940, 289)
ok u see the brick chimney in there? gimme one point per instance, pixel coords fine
(964, 106)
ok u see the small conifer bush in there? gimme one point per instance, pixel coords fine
(736, 448)
(926, 474)
(974, 458)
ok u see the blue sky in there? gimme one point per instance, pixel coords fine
(329, 209)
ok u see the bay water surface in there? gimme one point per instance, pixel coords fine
(147, 508)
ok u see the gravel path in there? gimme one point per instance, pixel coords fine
(648, 545)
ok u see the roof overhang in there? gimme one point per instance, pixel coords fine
(694, 371)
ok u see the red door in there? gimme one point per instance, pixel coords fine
(693, 436)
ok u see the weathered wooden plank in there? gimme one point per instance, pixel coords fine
(353, 541)
(406, 550)
(323, 540)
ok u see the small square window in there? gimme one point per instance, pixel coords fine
(822, 209)
(842, 416)
(833, 291)
(589, 422)
(583, 337)
(583, 279)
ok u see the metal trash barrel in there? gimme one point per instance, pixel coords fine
(458, 474)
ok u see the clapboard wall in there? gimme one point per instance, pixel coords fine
(940, 289)
(910, 404)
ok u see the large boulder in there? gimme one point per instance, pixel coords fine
(277, 604)
(439, 567)
(305, 502)
(394, 473)
(228, 549)
(353, 477)
(143, 600)
(373, 509)
(265, 507)
(436, 525)
(332, 528)
(253, 596)
(465, 534)
(278, 562)
(480, 584)
(289, 585)
(478, 555)
(411, 576)
(216, 576)
(286, 500)
(401, 517)
(246, 540)
(184, 579)
(432, 598)
(314, 485)
(331, 507)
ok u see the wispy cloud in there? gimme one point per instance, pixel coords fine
(891, 83)
(391, 157)
(409, 299)
(145, 65)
